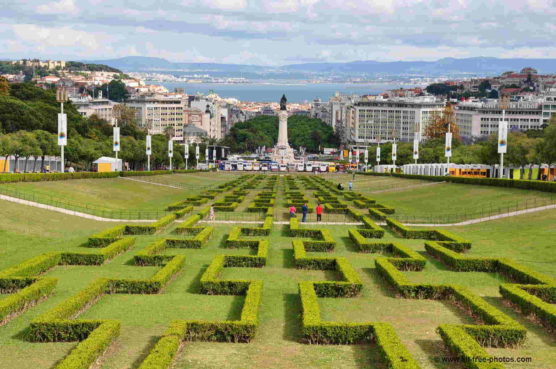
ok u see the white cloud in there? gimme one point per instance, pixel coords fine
(56, 39)
(58, 7)
(226, 4)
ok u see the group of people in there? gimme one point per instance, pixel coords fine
(341, 186)
(304, 210)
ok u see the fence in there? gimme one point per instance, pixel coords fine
(475, 213)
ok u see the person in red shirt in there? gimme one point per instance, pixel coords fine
(292, 211)
(319, 212)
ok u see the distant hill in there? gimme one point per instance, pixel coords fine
(446, 66)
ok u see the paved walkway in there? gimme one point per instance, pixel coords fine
(279, 222)
(486, 219)
(71, 212)
(152, 183)
(101, 219)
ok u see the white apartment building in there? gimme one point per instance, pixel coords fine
(480, 119)
(215, 119)
(49, 64)
(369, 120)
(159, 113)
(102, 108)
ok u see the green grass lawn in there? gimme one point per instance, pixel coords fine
(26, 232)
(425, 202)
(118, 193)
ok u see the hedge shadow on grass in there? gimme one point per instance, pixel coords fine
(195, 285)
(292, 317)
(144, 352)
(437, 348)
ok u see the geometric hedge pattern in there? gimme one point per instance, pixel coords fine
(28, 283)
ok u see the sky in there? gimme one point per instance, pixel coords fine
(277, 32)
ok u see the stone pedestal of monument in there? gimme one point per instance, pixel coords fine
(282, 152)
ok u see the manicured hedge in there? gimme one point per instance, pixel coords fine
(39, 177)
(462, 345)
(521, 296)
(393, 352)
(100, 257)
(38, 264)
(89, 350)
(164, 351)
(21, 300)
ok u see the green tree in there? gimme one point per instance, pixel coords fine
(47, 144)
(115, 91)
(6, 149)
(440, 89)
(547, 146)
(4, 87)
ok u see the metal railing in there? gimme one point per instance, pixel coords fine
(239, 216)
(463, 215)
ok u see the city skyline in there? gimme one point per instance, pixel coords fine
(277, 32)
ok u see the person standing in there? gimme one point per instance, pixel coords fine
(212, 216)
(319, 210)
(350, 185)
(304, 211)
(292, 211)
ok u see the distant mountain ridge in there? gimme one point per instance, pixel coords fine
(444, 66)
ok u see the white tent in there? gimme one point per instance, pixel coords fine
(107, 164)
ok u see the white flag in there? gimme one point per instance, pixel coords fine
(116, 140)
(415, 148)
(378, 154)
(197, 154)
(62, 129)
(357, 156)
(186, 150)
(366, 156)
(148, 144)
(170, 148)
(503, 137)
(350, 155)
(448, 147)
(394, 152)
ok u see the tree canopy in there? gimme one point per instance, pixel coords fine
(310, 133)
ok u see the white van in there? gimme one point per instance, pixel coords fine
(283, 167)
(323, 168)
(274, 167)
(264, 167)
(300, 167)
(239, 166)
(227, 166)
(248, 166)
(256, 166)
(308, 167)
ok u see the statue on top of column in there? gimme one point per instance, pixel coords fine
(283, 102)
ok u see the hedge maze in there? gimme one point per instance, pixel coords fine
(365, 238)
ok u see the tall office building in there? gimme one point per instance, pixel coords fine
(369, 120)
(159, 113)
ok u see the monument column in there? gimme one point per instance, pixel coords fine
(282, 152)
(282, 128)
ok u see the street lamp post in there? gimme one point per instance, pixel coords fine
(197, 155)
(148, 151)
(170, 151)
(116, 138)
(503, 134)
(61, 97)
(186, 153)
